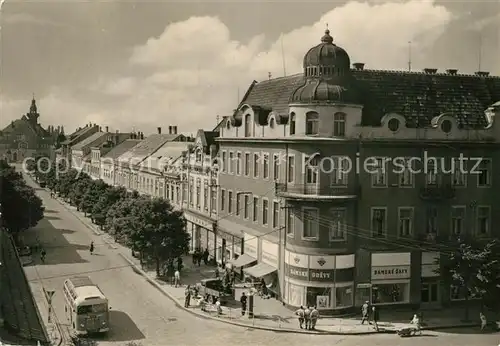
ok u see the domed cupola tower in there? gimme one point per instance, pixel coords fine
(327, 75)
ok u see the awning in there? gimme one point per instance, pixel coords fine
(259, 270)
(242, 260)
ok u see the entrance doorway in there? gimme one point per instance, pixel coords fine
(430, 293)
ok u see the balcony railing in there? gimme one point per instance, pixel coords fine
(437, 193)
(316, 191)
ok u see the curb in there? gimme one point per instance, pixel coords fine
(239, 324)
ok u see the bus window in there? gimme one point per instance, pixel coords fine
(82, 310)
(86, 309)
(99, 308)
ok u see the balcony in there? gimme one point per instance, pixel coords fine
(316, 192)
(437, 193)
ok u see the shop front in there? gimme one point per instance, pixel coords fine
(430, 285)
(390, 278)
(267, 268)
(326, 282)
(225, 246)
(199, 228)
(251, 245)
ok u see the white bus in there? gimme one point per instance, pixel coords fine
(86, 306)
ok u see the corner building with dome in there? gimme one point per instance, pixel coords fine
(319, 195)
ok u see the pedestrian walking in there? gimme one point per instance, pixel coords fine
(300, 314)
(375, 317)
(205, 256)
(91, 247)
(195, 257)
(243, 301)
(177, 278)
(307, 317)
(218, 307)
(187, 296)
(42, 255)
(484, 321)
(416, 321)
(314, 317)
(179, 264)
(365, 312)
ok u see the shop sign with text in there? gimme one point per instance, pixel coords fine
(297, 273)
(327, 275)
(390, 272)
(322, 275)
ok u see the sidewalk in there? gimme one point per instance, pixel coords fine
(41, 301)
(270, 314)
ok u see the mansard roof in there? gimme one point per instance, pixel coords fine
(417, 96)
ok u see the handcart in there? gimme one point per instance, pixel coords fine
(408, 331)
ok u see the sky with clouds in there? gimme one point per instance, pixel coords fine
(139, 65)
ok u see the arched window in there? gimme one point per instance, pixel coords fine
(198, 155)
(312, 123)
(248, 124)
(271, 123)
(339, 124)
(292, 123)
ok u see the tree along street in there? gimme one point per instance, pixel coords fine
(150, 226)
(140, 312)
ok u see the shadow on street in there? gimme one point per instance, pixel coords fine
(53, 240)
(122, 328)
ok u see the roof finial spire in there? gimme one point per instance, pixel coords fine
(327, 38)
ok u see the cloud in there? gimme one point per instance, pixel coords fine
(195, 70)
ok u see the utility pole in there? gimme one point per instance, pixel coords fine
(282, 247)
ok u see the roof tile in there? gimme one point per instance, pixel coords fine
(417, 96)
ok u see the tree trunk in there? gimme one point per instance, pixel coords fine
(157, 266)
(466, 319)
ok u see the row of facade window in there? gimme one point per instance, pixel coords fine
(259, 210)
(312, 124)
(336, 221)
(202, 195)
(260, 165)
(457, 217)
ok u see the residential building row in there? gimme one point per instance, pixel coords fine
(323, 184)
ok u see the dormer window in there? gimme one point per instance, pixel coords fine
(248, 124)
(292, 123)
(339, 124)
(312, 123)
(198, 155)
(228, 125)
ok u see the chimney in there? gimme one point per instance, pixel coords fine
(482, 73)
(452, 71)
(159, 130)
(359, 66)
(100, 129)
(107, 128)
(142, 135)
(170, 130)
(430, 70)
(174, 129)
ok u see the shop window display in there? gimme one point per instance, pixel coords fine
(390, 293)
(314, 292)
(343, 297)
